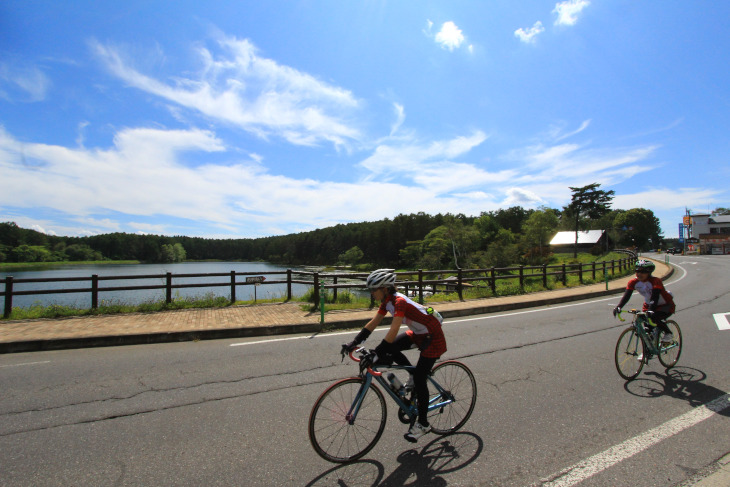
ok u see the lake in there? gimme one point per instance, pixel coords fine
(83, 300)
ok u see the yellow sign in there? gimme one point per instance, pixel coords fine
(687, 220)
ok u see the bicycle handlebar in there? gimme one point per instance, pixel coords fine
(351, 353)
(638, 313)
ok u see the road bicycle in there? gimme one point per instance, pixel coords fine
(638, 343)
(348, 419)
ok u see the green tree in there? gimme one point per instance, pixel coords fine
(352, 256)
(30, 253)
(172, 253)
(537, 230)
(179, 252)
(503, 251)
(81, 252)
(587, 202)
(638, 227)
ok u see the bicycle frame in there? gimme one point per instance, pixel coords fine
(409, 409)
(639, 322)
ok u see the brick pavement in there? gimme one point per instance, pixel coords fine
(252, 320)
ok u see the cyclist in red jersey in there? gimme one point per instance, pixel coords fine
(424, 332)
(657, 299)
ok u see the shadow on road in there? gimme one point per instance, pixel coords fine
(683, 383)
(423, 467)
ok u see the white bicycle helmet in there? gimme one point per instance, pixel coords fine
(381, 278)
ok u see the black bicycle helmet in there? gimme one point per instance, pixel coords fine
(645, 265)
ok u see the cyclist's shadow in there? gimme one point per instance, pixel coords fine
(422, 467)
(683, 383)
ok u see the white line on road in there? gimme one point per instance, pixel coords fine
(449, 322)
(601, 461)
(27, 363)
(722, 321)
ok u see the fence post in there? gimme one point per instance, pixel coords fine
(544, 276)
(94, 291)
(233, 287)
(565, 276)
(460, 286)
(168, 288)
(334, 291)
(321, 303)
(420, 286)
(522, 278)
(594, 270)
(8, 296)
(493, 281)
(580, 272)
(613, 267)
(316, 290)
(288, 284)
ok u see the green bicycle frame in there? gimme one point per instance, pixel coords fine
(639, 323)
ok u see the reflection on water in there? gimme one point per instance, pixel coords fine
(83, 300)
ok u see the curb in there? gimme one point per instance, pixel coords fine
(219, 334)
(247, 332)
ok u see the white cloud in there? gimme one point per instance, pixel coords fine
(142, 176)
(528, 35)
(32, 83)
(667, 198)
(568, 11)
(431, 165)
(400, 117)
(450, 36)
(521, 197)
(239, 87)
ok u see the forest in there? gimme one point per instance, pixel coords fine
(496, 238)
(499, 238)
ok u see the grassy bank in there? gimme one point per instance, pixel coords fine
(345, 299)
(30, 266)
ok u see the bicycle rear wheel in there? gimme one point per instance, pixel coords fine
(460, 388)
(333, 435)
(630, 354)
(670, 356)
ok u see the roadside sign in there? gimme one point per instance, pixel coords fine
(255, 279)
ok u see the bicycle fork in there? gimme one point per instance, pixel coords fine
(352, 413)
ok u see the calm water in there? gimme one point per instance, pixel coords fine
(83, 300)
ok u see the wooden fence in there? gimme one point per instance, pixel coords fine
(415, 283)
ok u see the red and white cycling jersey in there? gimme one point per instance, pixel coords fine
(647, 287)
(419, 322)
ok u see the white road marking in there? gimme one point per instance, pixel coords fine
(449, 323)
(601, 461)
(722, 321)
(27, 363)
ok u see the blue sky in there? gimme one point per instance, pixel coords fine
(250, 119)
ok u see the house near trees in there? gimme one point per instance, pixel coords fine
(588, 240)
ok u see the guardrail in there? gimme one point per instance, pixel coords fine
(415, 283)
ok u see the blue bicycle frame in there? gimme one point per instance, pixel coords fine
(444, 398)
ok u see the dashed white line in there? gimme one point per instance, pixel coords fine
(721, 319)
(26, 363)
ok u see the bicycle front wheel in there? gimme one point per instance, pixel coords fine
(337, 435)
(669, 355)
(459, 395)
(630, 354)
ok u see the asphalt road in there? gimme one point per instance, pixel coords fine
(551, 410)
